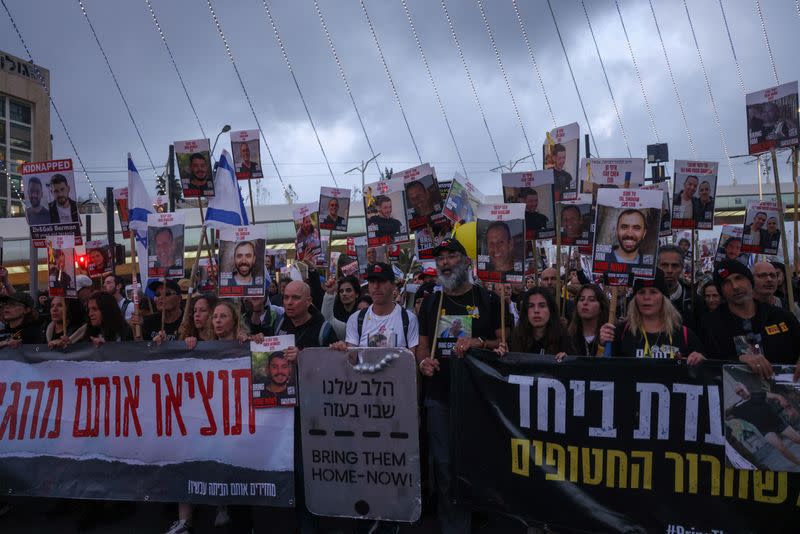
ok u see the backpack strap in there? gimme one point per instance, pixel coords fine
(361, 315)
(404, 315)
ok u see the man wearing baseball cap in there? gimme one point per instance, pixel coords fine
(479, 313)
(384, 323)
(21, 322)
(746, 330)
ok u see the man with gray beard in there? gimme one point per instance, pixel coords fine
(478, 312)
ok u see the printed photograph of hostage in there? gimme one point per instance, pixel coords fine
(423, 200)
(61, 280)
(242, 263)
(760, 234)
(273, 375)
(626, 233)
(37, 209)
(334, 208)
(577, 218)
(384, 208)
(165, 245)
(695, 185)
(772, 118)
(762, 418)
(63, 208)
(501, 242)
(729, 246)
(245, 152)
(194, 166)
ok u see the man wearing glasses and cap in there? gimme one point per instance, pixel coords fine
(743, 329)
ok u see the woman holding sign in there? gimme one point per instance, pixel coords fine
(653, 327)
(105, 320)
(197, 322)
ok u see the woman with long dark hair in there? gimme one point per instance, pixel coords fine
(539, 330)
(106, 323)
(339, 302)
(591, 313)
(76, 326)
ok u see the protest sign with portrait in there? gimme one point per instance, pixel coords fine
(100, 258)
(695, 187)
(619, 173)
(758, 415)
(561, 152)
(626, 234)
(666, 209)
(121, 202)
(462, 201)
(761, 233)
(307, 240)
(274, 376)
(275, 260)
(533, 266)
(385, 212)
(241, 261)
(194, 167)
(246, 154)
(165, 243)
(772, 118)
(206, 283)
(334, 208)
(423, 196)
(533, 189)
(501, 242)
(61, 266)
(577, 222)
(729, 246)
(51, 206)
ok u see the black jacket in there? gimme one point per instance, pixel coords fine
(778, 329)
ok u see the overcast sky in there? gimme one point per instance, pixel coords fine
(60, 39)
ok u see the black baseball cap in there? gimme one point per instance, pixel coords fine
(19, 296)
(450, 244)
(380, 271)
(725, 268)
(155, 285)
(657, 282)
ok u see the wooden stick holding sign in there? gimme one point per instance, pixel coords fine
(436, 328)
(786, 264)
(796, 210)
(503, 313)
(607, 349)
(137, 328)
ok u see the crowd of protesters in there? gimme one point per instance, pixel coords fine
(668, 317)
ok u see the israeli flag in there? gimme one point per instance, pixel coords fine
(140, 205)
(226, 207)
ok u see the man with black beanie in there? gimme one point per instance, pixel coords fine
(746, 330)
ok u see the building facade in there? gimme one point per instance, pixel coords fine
(24, 126)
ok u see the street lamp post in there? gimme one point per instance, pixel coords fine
(363, 169)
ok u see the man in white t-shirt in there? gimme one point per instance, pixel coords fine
(384, 323)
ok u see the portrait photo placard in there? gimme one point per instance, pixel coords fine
(626, 234)
(61, 266)
(246, 153)
(423, 196)
(334, 208)
(165, 242)
(761, 233)
(695, 187)
(666, 208)
(772, 118)
(577, 222)
(274, 261)
(274, 376)
(241, 261)
(534, 190)
(462, 201)
(561, 152)
(501, 242)
(385, 212)
(121, 202)
(620, 173)
(100, 258)
(307, 240)
(729, 245)
(51, 206)
(194, 167)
